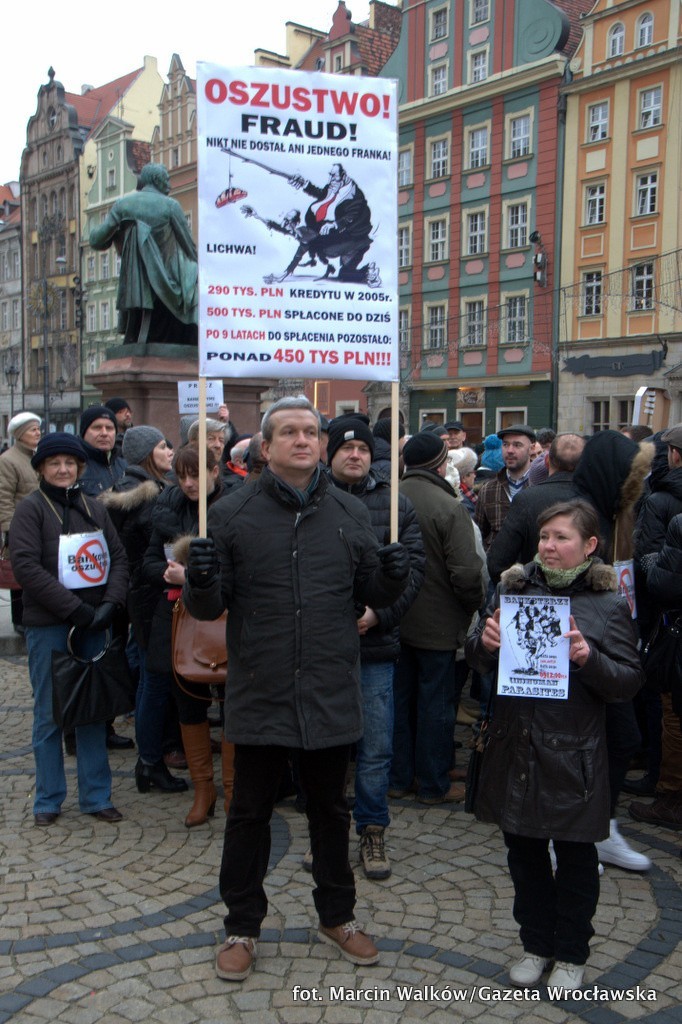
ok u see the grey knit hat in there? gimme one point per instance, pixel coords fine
(138, 443)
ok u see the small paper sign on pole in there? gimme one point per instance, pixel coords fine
(188, 396)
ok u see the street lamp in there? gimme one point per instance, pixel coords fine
(11, 376)
(52, 227)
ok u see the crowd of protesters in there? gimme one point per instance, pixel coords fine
(345, 646)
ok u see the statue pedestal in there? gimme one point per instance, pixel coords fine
(147, 377)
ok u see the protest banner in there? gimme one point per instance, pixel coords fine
(297, 224)
(533, 659)
(188, 396)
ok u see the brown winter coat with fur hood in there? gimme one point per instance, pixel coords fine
(545, 769)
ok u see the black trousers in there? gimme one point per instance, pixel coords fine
(554, 911)
(623, 741)
(246, 847)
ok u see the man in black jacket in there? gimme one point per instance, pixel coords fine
(290, 556)
(351, 450)
(517, 540)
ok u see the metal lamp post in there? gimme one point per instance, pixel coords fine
(11, 376)
(52, 227)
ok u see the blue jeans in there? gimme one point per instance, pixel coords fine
(424, 698)
(92, 762)
(153, 692)
(375, 749)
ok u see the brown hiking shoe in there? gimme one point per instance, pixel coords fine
(454, 795)
(234, 959)
(373, 852)
(352, 943)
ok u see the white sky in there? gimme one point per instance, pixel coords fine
(87, 43)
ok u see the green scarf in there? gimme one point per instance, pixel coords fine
(559, 579)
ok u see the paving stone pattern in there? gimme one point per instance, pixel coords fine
(101, 924)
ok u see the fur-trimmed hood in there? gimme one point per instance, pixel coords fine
(130, 500)
(598, 576)
(180, 546)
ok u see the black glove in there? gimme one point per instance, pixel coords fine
(104, 616)
(82, 616)
(202, 564)
(395, 561)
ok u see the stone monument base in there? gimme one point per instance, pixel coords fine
(147, 377)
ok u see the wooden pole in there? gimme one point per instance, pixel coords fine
(395, 442)
(202, 457)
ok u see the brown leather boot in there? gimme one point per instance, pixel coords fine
(196, 740)
(228, 773)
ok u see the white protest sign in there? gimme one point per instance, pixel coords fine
(533, 652)
(188, 396)
(298, 271)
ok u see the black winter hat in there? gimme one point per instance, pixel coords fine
(382, 429)
(116, 404)
(354, 427)
(95, 412)
(425, 450)
(58, 444)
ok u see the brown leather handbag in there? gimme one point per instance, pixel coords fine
(199, 647)
(7, 578)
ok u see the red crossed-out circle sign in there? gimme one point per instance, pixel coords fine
(91, 560)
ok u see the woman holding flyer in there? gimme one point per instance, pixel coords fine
(544, 774)
(60, 594)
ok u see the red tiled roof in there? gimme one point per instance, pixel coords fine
(574, 8)
(94, 105)
(8, 196)
(375, 47)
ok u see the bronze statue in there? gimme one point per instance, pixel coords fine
(157, 289)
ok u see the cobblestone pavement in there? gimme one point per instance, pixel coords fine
(102, 924)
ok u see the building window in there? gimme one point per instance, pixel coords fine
(517, 225)
(626, 410)
(16, 314)
(478, 66)
(404, 329)
(404, 246)
(176, 156)
(474, 322)
(475, 233)
(645, 30)
(650, 107)
(91, 318)
(104, 266)
(438, 240)
(63, 311)
(591, 293)
(117, 265)
(647, 187)
(404, 167)
(643, 286)
(439, 24)
(90, 268)
(111, 178)
(338, 62)
(104, 316)
(519, 136)
(4, 316)
(616, 41)
(439, 79)
(440, 158)
(598, 122)
(480, 11)
(435, 333)
(516, 320)
(478, 147)
(594, 203)
(16, 273)
(600, 416)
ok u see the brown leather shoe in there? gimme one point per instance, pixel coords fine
(175, 759)
(665, 812)
(44, 818)
(352, 943)
(110, 814)
(457, 774)
(235, 958)
(455, 795)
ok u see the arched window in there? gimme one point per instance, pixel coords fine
(53, 202)
(645, 30)
(43, 207)
(617, 40)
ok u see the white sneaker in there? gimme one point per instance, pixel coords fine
(567, 977)
(615, 850)
(528, 970)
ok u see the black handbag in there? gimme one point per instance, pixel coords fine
(90, 690)
(476, 760)
(662, 654)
